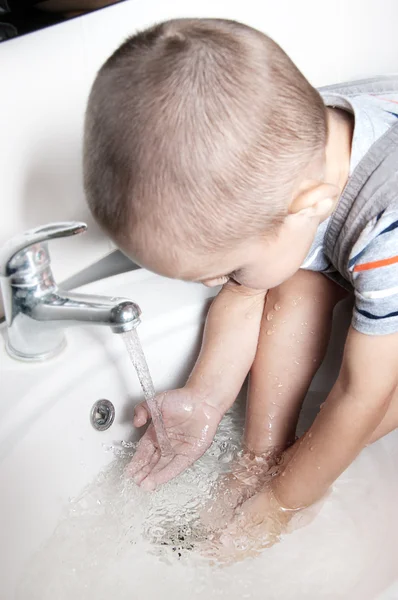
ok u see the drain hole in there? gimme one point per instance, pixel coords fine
(102, 415)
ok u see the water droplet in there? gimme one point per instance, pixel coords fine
(296, 362)
(270, 316)
(296, 301)
(270, 331)
(277, 307)
(311, 448)
(314, 360)
(310, 434)
(318, 467)
(283, 474)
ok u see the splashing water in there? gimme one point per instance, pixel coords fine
(116, 541)
(114, 530)
(137, 357)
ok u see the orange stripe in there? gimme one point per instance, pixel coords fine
(385, 99)
(376, 264)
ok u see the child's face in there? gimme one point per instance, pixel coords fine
(265, 262)
(260, 263)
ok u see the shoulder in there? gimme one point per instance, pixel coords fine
(373, 270)
(377, 237)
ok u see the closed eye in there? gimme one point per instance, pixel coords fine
(222, 280)
(216, 282)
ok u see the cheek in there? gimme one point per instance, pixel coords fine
(256, 279)
(272, 272)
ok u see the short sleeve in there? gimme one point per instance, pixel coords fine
(373, 269)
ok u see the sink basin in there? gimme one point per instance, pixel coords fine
(48, 447)
(49, 452)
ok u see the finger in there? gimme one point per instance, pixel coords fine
(165, 472)
(144, 453)
(141, 415)
(147, 469)
(227, 540)
(162, 463)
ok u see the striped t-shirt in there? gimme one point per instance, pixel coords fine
(373, 260)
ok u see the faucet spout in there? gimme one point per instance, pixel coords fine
(36, 331)
(67, 308)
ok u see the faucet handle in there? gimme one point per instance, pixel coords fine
(13, 253)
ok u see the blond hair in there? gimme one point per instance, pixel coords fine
(198, 130)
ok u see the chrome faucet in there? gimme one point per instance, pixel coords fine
(36, 310)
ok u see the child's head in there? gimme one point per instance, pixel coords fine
(201, 136)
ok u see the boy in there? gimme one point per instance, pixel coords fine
(210, 158)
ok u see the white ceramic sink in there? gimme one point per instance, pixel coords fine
(49, 451)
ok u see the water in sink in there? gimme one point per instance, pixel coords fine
(116, 541)
(137, 357)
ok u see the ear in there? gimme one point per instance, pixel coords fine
(314, 199)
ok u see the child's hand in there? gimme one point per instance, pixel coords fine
(248, 476)
(190, 425)
(257, 524)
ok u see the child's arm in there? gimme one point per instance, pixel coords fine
(287, 360)
(355, 407)
(293, 338)
(229, 345)
(191, 415)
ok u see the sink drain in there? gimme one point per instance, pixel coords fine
(102, 415)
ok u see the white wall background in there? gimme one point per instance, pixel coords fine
(45, 78)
